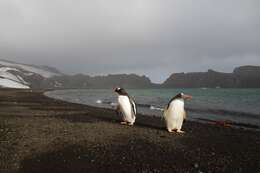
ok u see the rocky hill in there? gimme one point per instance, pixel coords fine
(241, 77)
(248, 76)
(109, 81)
(17, 75)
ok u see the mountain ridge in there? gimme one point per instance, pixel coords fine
(247, 76)
(19, 75)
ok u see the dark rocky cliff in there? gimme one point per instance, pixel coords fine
(109, 81)
(242, 77)
(248, 76)
(44, 77)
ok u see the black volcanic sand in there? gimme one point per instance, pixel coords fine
(39, 134)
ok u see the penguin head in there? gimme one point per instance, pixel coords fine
(120, 91)
(182, 96)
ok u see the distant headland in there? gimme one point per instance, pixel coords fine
(17, 75)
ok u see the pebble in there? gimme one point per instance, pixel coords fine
(196, 165)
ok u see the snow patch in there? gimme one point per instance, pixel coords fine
(44, 73)
(5, 74)
(9, 80)
(6, 83)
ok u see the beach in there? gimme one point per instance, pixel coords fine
(40, 134)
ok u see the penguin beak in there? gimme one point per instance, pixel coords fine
(186, 97)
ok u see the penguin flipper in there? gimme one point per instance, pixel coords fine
(133, 106)
(165, 111)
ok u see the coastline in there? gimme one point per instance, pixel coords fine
(152, 102)
(41, 134)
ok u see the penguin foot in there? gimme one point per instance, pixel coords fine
(123, 122)
(130, 124)
(180, 131)
(170, 130)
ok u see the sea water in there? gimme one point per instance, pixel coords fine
(236, 105)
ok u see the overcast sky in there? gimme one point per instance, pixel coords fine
(150, 37)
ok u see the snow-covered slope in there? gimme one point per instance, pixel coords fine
(6, 83)
(17, 75)
(30, 68)
(9, 80)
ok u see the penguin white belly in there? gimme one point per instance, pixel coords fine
(126, 109)
(174, 115)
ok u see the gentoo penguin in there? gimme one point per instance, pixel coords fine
(126, 106)
(174, 113)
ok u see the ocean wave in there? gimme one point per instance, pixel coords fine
(191, 109)
(143, 105)
(156, 108)
(224, 112)
(113, 104)
(208, 111)
(99, 101)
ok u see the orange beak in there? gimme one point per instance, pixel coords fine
(186, 97)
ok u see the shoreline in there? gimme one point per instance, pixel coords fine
(222, 123)
(42, 134)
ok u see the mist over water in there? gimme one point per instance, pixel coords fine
(236, 105)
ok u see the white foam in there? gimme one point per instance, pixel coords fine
(113, 104)
(99, 101)
(155, 108)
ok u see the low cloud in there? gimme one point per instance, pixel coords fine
(150, 37)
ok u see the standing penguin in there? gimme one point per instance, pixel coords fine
(174, 113)
(126, 106)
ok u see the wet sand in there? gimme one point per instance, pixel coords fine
(40, 134)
